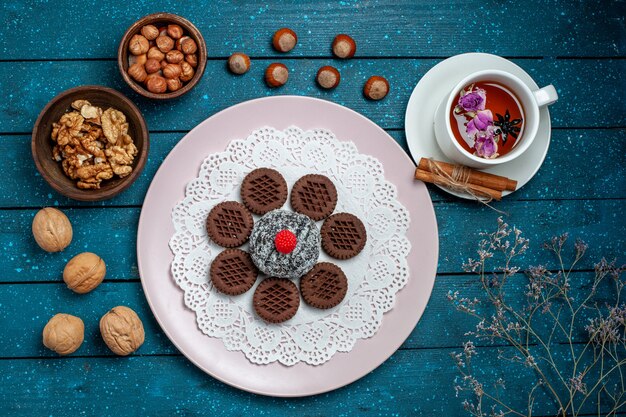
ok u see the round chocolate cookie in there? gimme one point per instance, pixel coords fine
(233, 272)
(324, 286)
(299, 259)
(263, 190)
(314, 196)
(276, 300)
(343, 236)
(229, 224)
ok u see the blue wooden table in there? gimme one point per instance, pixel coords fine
(47, 47)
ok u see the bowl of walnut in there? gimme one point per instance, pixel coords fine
(162, 56)
(90, 143)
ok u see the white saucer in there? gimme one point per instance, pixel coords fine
(439, 81)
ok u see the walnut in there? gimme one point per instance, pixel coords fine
(122, 330)
(113, 124)
(121, 158)
(92, 175)
(52, 229)
(84, 272)
(69, 125)
(78, 104)
(64, 334)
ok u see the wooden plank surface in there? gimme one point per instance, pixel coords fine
(591, 90)
(597, 221)
(171, 385)
(381, 28)
(574, 149)
(39, 302)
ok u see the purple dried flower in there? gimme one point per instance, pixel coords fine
(480, 123)
(485, 145)
(472, 100)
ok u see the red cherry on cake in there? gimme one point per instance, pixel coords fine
(285, 241)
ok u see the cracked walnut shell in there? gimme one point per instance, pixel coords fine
(84, 272)
(52, 229)
(122, 330)
(64, 333)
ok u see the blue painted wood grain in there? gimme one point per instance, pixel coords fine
(44, 49)
(590, 90)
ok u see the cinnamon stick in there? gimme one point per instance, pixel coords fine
(495, 182)
(479, 190)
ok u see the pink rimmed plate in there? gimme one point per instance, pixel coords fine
(156, 229)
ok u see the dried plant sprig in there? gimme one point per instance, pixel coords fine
(595, 368)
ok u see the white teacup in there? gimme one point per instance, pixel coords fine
(531, 102)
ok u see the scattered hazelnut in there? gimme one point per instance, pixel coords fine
(344, 46)
(172, 71)
(138, 45)
(174, 84)
(164, 43)
(137, 59)
(52, 229)
(192, 59)
(328, 77)
(376, 88)
(122, 330)
(174, 56)
(239, 63)
(64, 334)
(152, 65)
(84, 272)
(150, 32)
(137, 72)
(155, 53)
(156, 84)
(174, 31)
(187, 71)
(284, 40)
(188, 46)
(276, 75)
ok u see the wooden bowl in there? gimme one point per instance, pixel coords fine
(42, 143)
(161, 19)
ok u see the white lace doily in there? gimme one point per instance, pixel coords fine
(374, 276)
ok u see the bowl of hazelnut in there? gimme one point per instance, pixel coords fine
(162, 56)
(90, 143)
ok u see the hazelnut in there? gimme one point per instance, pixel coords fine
(192, 59)
(154, 53)
(150, 32)
(284, 40)
(174, 84)
(122, 330)
(276, 75)
(174, 56)
(163, 65)
(84, 272)
(152, 65)
(239, 63)
(174, 31)
(162, 30)
(188, 46)
(164, 43)
(376, 88)
(64, 333)
(187, 71)
(52, 229)
(137, 59)
(172, 71)
(344, 46)
(179, 41)
(137, 72)
(328, 77)
(156, 84)
(138, 45)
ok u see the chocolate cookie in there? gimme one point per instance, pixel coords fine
(343, 236)
(276, 300)
(233, 272)
(325, 286)
(229, 224)
(314, 196)
(263, 190)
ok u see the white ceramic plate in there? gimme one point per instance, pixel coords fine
(439, 81)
